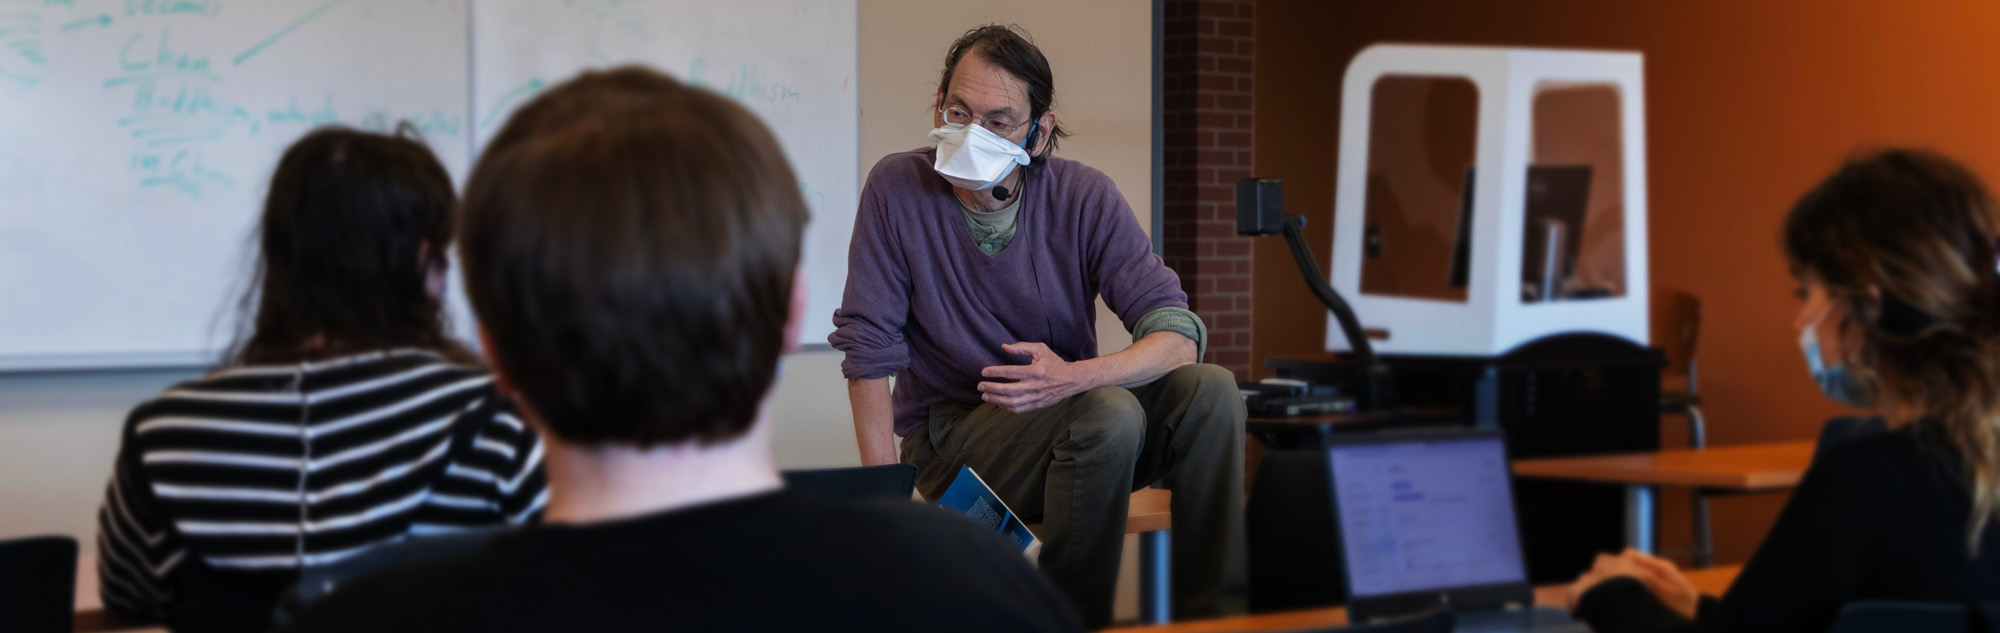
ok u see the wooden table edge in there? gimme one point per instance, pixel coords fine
(1713, 581)
(1755, 482)
(1620, 469)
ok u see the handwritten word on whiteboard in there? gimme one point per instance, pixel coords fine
(137, 137)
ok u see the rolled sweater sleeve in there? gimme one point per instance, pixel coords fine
(1132, 279)
(1179, 321)
(868, 326)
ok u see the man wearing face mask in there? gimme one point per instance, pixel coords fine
(973, 275)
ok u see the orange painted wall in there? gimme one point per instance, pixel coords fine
(1748, 104)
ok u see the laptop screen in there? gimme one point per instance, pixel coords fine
(1426, 515)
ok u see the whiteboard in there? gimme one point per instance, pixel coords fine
(137, 137)
(792, 62)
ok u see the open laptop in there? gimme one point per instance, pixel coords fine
(1426, 519)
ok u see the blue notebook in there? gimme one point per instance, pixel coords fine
(970, 495)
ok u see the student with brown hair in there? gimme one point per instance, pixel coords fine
(631, 246)
(1895, 256)
(346, 417)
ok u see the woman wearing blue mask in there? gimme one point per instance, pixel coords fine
(1895, 259)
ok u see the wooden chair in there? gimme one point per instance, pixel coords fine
(1677, 331)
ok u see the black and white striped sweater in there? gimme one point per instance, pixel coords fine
(259, 472)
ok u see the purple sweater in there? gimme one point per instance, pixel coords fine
(925, 304)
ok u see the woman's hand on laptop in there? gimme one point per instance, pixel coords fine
(1657, 574)
(1667, 582)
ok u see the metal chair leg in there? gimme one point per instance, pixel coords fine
(1155, 577)
(1697, 428)
(1704, 538)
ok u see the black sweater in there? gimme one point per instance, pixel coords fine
(782, 561)
(1876, 518)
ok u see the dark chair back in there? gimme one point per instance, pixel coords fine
(315, 582)
(1903, 617)
(890, 481)
(1288, 521)
(1677, 330)
(38, 584)
(1439, 620)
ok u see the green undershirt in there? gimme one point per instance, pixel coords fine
(994, 231)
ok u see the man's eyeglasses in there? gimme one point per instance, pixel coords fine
(1000, 125)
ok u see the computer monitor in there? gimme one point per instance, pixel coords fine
(1427, 519)
(1461, 241)
(1558, 200)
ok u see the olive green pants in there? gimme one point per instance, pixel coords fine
(1073, 466)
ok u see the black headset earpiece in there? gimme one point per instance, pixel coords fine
(1034, 132)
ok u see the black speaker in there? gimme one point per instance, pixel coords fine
(1260, 206)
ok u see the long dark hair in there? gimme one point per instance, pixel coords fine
(1009, 48)
(1903, 242)
(354, 225)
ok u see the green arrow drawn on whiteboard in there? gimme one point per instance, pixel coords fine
(273, 39)
(533, 86)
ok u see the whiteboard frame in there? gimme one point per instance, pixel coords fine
(112, 362)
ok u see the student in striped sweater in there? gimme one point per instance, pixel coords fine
(345, 418)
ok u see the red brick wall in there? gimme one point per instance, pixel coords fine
(1209, 145)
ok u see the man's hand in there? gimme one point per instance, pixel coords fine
(1045, 380)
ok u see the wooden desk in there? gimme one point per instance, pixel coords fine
(1748, 468)
(101, 621)
(90, 613)
(1709, 581)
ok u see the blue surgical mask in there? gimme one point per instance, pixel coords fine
(1837, 382)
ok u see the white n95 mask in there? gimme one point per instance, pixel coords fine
(975, 158)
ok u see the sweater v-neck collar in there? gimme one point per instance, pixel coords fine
(972, 238)
(992, 231)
